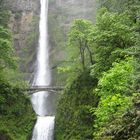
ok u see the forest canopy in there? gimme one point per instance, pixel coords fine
(108, 52)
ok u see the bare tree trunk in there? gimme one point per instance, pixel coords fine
(82, 55)
(90, 53)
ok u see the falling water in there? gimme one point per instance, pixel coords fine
(41, 101)
(42, 131)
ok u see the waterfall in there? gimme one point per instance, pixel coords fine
(42, 131)
(41, 101)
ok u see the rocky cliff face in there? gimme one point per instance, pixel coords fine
(22, 5)
(24, 24)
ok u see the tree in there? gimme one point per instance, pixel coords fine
(112, 36)
(115, 94)
(113, 5)
(78, 39)
(7, 58)
(74, 121)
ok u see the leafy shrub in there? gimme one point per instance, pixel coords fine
(113, 88)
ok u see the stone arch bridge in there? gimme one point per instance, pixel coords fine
(34, 89)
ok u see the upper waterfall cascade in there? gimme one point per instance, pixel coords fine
(42, 100)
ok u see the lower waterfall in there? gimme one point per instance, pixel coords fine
(42, 131)
(44, 126)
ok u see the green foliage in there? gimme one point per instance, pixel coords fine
(73, 119)
(117, 79)
(113, 29)
(4, 17)
(113, 88)
(18, 15)
(79, 43)
(109, 109)
(131, 7)
(16, 114)
(79, 49)
(7, 58)
(113, 43)
(136, 53)
(112, 35)
(128, 126)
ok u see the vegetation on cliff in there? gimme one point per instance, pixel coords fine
(105, 107)
(101, 100)
(16, 115)
(74, 119)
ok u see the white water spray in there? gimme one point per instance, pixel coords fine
(41, 101)
(42, 131)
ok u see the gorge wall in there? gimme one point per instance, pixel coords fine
(24, 18)
(24, 23)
